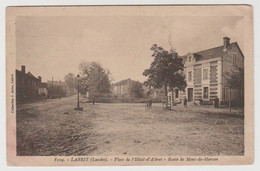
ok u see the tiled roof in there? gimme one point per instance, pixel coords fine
(212, 53)
(28, 74)
(122, 82)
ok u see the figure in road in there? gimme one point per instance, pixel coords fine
(93, 100)
(216, 102)
(150, 103)
(185, 102)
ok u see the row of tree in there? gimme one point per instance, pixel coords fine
(165, 71)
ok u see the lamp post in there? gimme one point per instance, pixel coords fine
(60, 90)
(78, 107)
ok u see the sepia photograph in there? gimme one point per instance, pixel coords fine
(129, 85)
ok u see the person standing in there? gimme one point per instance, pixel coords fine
(185, 102)
(150, 103)
(93, 100)
(216, 102)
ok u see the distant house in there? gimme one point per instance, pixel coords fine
(27, 86)
(56, 89)
(204, 73)
(57, 83)
(122, 88)
(43, 89)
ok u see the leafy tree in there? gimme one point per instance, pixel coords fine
(165, 70)
(71, 82)
(95, 79)
(235, 80)
(136, 90)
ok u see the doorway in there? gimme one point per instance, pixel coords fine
(190, 94)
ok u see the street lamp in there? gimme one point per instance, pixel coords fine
(78, 107)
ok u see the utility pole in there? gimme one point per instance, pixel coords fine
(78, 107)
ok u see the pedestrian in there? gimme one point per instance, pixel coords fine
(150, 103)
(185, 102)
(93, 100)
(216, 102)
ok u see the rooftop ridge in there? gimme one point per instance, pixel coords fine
(213, 48)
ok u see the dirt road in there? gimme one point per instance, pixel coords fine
(55, 128)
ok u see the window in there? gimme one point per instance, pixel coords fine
(189, 75)
(205, 74)
(189, 58)
(234, 59)
(205, 92)
(176, 93)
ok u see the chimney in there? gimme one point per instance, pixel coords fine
(23, 69)
(40, 78)
(226, 43)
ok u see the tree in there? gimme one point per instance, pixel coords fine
(56, 91)
(136, 90)
(95, 79)
(71, 82)
(165, 70)
(235, 80)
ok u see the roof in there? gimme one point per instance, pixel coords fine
(28, 74)
(122, 82)
(43, 85)
(213, 52)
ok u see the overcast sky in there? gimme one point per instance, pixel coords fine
(54, 46)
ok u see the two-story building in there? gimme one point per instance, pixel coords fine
(122, 88)
(205, 73)
(28, 87)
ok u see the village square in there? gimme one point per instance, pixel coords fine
(188, 105)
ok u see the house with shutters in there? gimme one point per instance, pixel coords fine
(204, 73)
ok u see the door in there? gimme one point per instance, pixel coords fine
(190, 94)
(205, 92)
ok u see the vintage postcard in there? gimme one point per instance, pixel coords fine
(130, 85)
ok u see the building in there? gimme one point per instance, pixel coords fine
(58, 84)
(204, 73)
(43, 89)
(122, 88)
(56, 89)
(28, 87)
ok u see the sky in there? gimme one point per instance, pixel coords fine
(55, 46)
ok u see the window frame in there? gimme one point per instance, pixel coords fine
(234, 59)
(189, 59)
(203, 74)
(189, 76)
